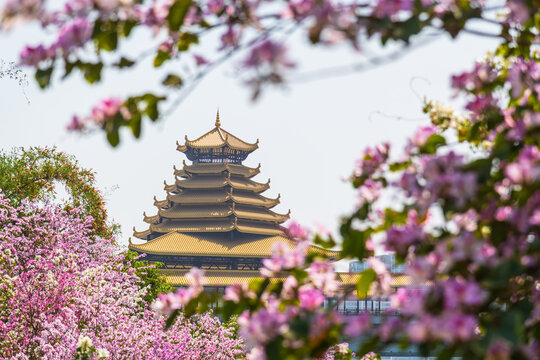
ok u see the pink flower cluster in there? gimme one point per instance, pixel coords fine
(59, 285)
(100, 114)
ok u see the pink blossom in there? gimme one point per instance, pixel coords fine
(322, 275)
(422, 135)
(518, 12)
(458, 291)
(200, 60)
(499, 349)
(268, 53)
(105, 109)
(229, 39)
(357, 325)
(526, 169)
(297, 231)
(33, 56)
(372, 160)
(215, 6)
(310, 298)
(390, 8)
(74, 34)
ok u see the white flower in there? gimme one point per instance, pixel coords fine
(102, 353)
(342, 348)
(84, 344)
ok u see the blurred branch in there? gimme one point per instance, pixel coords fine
(366, 64)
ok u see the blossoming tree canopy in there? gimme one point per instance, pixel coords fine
(86, 30)
(66, 294)
(463, 217)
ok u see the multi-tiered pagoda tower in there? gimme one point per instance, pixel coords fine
(214, 215)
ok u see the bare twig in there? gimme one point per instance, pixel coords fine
(11, 71)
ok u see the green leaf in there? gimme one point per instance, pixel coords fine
(43, 77)
(411, 27)
(354, 244)
(171, 319)
(105, 35)
(364, 282)
(433, 142)
(124, 63)
(92, 72)
(177, 14)
(398, 166)
(68, 68)
(135, 124)
(173, 81)
(185, 41)
(161, 57)
(273, 349)
(125, 27)
(113, 137)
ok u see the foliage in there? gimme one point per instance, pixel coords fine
(86, 30)
(34, 174)
(151, 280)
(65, 293)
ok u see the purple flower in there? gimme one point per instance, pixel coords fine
(74, 34)
(32, 56)
(268, 53)
(389, 8)
(310, 298)
(526, 169)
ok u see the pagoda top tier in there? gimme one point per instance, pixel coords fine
(217, 146)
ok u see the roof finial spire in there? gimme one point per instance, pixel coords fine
(218, 123)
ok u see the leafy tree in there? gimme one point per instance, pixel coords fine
(152, 280)
(35, 173)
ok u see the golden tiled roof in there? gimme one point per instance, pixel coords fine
(257, 227)
(197, 211)
(193, 226)
(231, 277)
(210, 196)
(212, 225)
(213, 277)
(217, 211)
(216, 196)
(217, 138)
(213, 182)
(257, 213)
(350, 279)
(216, 169)
(217, 244)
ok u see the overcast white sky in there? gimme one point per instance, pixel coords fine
(310, 134)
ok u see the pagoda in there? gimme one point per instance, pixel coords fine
(214, 215)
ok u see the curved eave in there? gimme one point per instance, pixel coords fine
(169, 188)
(141, 234)
(160, 203)
(218, 183)
(213, 168)
(269, 216)
(151, 219)
(220, 211)
(219, 197)
(184, 198)
(216, 225)
(217, 138)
